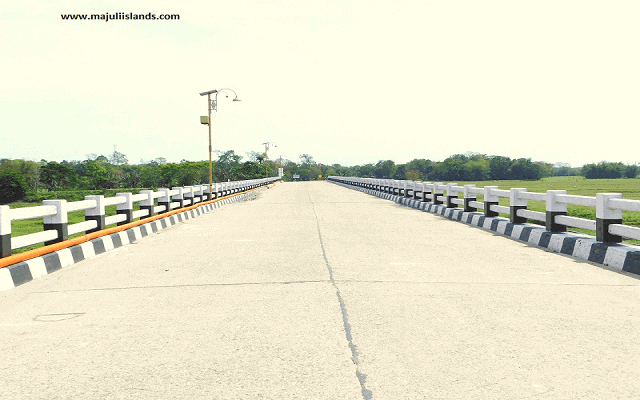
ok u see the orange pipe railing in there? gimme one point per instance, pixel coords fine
(27, 255)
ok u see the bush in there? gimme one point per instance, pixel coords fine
(37, 197)
(13, 187)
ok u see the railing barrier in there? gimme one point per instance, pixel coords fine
(608, 226)
(55, 213)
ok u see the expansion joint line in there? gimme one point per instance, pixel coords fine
(362, 378)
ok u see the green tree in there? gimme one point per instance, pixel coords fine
(400, 172)
(95, 174)
(525, 169)
(452, 168)
(385, 169)
(631, 171)
(29, 170)
(13, 186)
(57, 176)
(499, 167)
(227, 166)
(118, 158)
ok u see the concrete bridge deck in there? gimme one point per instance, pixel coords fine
(315, 291)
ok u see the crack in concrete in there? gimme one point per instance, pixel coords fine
(362, 378)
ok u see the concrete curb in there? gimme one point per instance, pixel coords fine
(23, 272)
(620, 257)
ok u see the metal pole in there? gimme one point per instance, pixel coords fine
(210, 162)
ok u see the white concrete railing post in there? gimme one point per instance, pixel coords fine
(188, 194)
(516, 202)
(426, 188)
(451, 194)
(490, 200)
(179, 197)
(148, 203)
(196, 192)
(422, 189)
(606, 216)
(164, 200)
(58, 222)
(5, 231)
(96, 213)
(437, 191)
(555, 208)
(469, 196)
(125, 208)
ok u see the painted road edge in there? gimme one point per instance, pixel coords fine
(26, 271)
(616, 256)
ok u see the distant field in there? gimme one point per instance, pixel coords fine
(630, 189)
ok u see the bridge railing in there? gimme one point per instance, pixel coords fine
(608, 224)
(55, 213)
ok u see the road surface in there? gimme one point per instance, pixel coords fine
(314, 291)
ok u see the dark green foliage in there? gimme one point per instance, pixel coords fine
(13, 187)
(56, 176)
(604, 170)
(631, 171)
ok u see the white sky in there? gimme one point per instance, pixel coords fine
(349, 82)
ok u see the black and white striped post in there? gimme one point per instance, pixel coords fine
(427, 190)
(178, 197)
(58, 222)
(469, 196)
(451, 194)
(147, 203)
(164, 200)
(490, 200)
(606, 216)
(125, 208)
(5, 231)
(408, 185)
(437, 191)
(555, 208)
(516, 202)
(96, 213)
(188, 195)
(197, 194)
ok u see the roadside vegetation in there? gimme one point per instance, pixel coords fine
(26, 183)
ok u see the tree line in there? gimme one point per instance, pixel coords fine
(36, 180)
(459, 167)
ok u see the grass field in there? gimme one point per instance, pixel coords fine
(630, 189)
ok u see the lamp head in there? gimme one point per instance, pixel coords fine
(208, 92)
(236, 99)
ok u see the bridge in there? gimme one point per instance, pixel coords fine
(314, 290)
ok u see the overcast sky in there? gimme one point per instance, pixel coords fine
(349, 82)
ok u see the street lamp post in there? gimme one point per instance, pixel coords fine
(266, 149)
(213, 105)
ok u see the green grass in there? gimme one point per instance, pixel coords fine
(575, 185)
